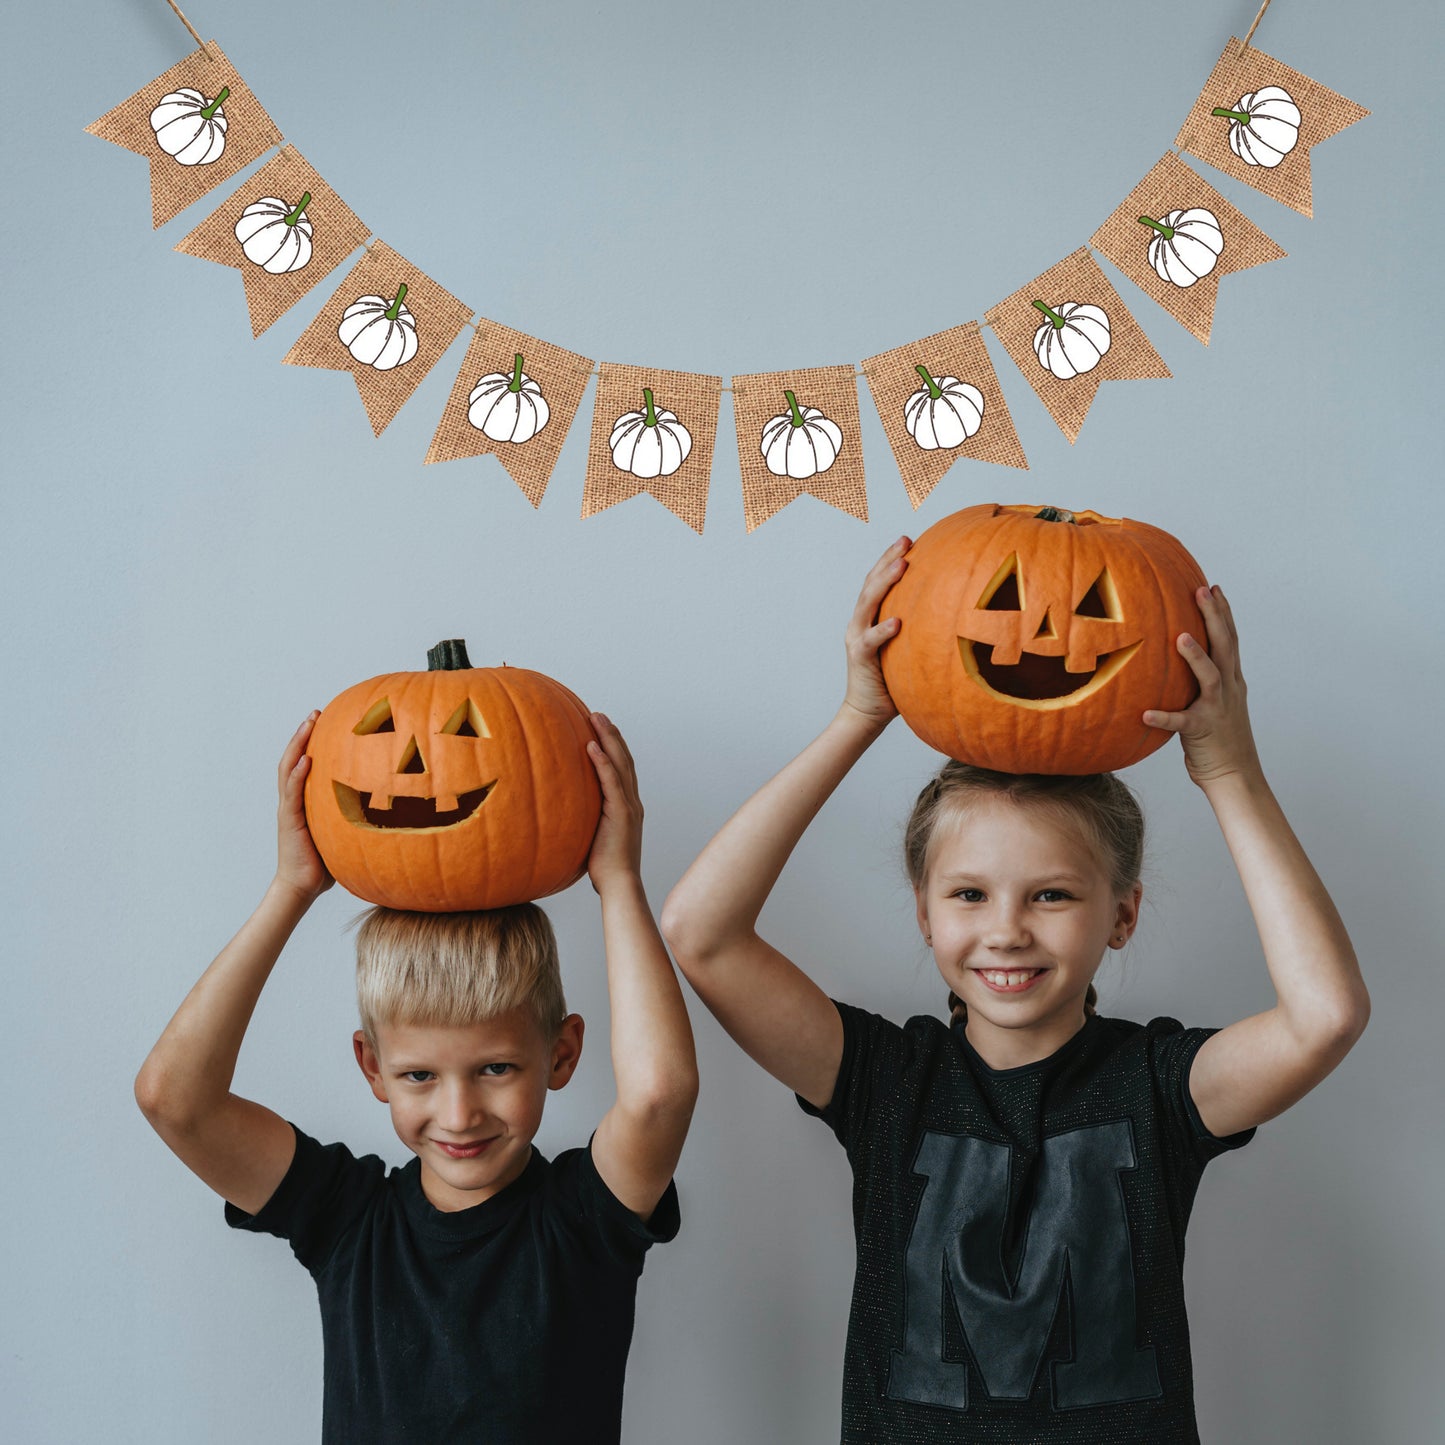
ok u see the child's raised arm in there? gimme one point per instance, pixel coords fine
(239, 1148)
(639, 1141)
(1258, 1067)
(772, 1009)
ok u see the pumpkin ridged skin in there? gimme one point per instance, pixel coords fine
(1074, 343)
(270, 239)
(529, 837)
(1190, 250)
(943, 413)
(378, 332)
(183, 129)
(1271, 131)
(801, 442)
(950, 568)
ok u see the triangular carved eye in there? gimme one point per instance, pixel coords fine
(377, 719)
(466, 722)
(1004, 592)
(1101, 600)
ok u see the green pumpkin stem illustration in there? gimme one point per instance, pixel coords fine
(1166, 231)
(300, 207)
(934, 390)
(215, 105)
(1052, 315)
(651, 417)
(793, 407)
(516, 383)
(1243, 116)
(394, 310)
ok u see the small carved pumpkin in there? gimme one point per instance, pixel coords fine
(189, 128)
(378, 332)
(508, 408)
(1185, 246)
(1072, 340)
(649, 443)
(1263, 127)
(801, 442)
(456, 788)
(944, 412)
(277, 237)
(1033, 639)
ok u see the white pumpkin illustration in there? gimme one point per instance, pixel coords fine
(801, 442)
(189, 128)
(277, 237)
(943, 412)
(508, 408)
(1185, 246)
(649, 443)
(1263, 127)
(379, 332)
(1073, 340)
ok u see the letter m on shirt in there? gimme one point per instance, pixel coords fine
(1076, 1231)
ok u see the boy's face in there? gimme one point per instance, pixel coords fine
(467, 1100)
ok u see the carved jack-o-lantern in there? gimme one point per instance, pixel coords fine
(457, 788)
(1033, 639)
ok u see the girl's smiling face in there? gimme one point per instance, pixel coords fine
(1018, 910)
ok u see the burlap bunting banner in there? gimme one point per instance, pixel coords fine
(515, 398)
(285, 230)
(654, 432)
(1257, 119)
(198, 125)
(939, 399)
(1175, 237)
(1067, 331)
(387, 324)
(798, 433)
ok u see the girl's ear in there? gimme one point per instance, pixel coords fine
(369, 1064)
(920, 906)
(1126, 916)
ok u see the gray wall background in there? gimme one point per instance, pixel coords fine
(200, 545)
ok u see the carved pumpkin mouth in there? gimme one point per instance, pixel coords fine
(1042, 683)
(409, 814)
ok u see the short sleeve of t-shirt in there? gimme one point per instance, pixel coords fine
(1172, 1048)
(875, 1052)
(625, 1237)
(322, 1195)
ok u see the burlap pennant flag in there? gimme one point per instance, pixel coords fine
(1175, 237)
(798, 432)
(1257, 119)
(654, 432)
(515, 398)
(198, 125)
(1067, 331)
(285, 230)
(387, 324)
(939, 399)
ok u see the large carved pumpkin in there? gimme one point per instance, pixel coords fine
(456, 788)
(1033, 639)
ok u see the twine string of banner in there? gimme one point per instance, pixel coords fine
(1187, 139)
(180, 15)
(1249, 34)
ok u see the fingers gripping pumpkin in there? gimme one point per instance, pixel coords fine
(1032, 640)
(456, 788)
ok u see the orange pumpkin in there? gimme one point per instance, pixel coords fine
(1033, 639)
(456, 788)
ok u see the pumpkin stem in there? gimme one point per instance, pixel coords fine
(448, 656)
(516, 372)
(1053, 514)
(1240, 115)
(1052, 315)
(215, 105)
(394, 310)
(934, 390)
(793, 407)
(300, 207)
(651, 418)
(1166, 231)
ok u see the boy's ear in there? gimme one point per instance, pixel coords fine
(1126, 916)
(369, 1064)
(566, 1051)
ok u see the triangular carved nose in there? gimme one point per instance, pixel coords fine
(411, 758)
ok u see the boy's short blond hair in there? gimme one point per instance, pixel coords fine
(454, 969)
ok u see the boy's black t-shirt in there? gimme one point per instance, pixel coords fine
(506, 1323)
(1020, 1234)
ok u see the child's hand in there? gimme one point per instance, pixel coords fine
(298, 864)
(617, 847)
(867, 693)
(1214, 729)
